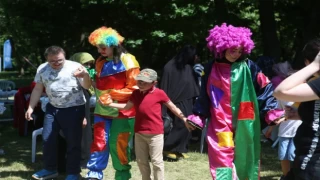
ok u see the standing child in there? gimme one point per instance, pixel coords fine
(287, 131)
(148, 127)
(287, 128)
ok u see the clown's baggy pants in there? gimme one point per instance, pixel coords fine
(111, 136)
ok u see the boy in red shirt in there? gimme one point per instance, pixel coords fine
(148, 128)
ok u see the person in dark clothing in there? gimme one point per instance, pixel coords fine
(299, 88)
(181, 85)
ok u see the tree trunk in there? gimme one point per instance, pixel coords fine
(270, 41)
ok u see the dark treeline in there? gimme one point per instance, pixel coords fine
(155, 29)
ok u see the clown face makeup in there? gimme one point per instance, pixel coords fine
(233, 54)
(105, 51)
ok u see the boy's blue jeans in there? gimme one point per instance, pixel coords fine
(69, 120)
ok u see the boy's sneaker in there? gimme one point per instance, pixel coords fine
(73, 177)
(45, 174)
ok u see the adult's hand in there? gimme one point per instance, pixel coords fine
(81, 72)
(28, 114)
(84, 123)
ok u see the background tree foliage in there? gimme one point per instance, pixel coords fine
(155, 29)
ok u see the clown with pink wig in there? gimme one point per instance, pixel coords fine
(113, 128)
(235, 97)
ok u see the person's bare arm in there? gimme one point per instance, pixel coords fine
(34, 99)
(294, 87)
(81, 72)
(176, 111)
(122, 106)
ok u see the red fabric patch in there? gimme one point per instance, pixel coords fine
(262, 80)
(246, 111)
(118, 80)
(99, 144)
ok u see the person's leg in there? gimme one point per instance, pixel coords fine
(142, 155)
(99, 148)
(62, 151)
(283, 152)
(70, 120)
(121, 133)
(49, 136)
(291, 149)
(155, 151)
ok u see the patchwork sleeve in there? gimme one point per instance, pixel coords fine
(268, 105)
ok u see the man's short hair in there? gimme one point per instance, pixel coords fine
(53, 50)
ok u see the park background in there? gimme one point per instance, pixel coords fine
(154, 31)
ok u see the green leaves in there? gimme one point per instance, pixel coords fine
(158, 33)
(183, 11)
(133, 43)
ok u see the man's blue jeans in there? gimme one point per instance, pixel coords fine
(69, 121)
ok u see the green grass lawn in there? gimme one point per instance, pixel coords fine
(16, 163)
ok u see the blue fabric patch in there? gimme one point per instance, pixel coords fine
(109, 68)
(215, 95)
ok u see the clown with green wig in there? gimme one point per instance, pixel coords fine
(113, 128)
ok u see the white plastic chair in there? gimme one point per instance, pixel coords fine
(35, 133)
(7, 90)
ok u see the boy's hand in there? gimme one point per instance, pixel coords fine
(84, 123)
(105, 99)
(188, 126)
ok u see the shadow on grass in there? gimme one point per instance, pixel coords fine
(17, 155)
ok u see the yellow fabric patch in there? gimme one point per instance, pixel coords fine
(129, 61)
(225, 139)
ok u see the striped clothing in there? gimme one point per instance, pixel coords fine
(199, 70)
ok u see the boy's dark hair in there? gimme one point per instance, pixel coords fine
(311, 49)
(53, 50)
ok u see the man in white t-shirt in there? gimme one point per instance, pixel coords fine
(63, 81)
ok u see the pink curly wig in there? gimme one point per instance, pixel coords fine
(225, 37)
(105, 36)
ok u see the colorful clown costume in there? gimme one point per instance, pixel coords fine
(232, 97)
(113, 128)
